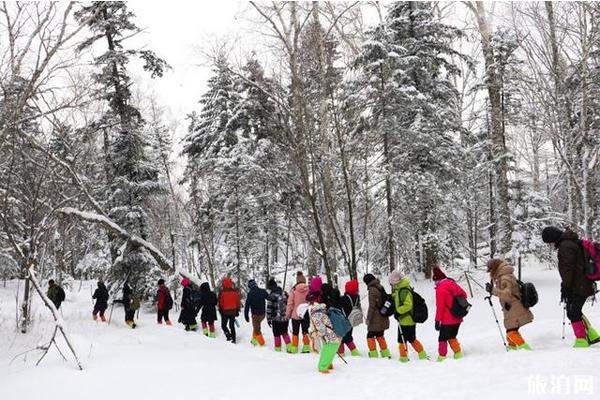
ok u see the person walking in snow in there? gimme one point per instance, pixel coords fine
(55, 293)
(377, 323)
(575, 288)
(255, 303)
(407, 328)
(276, 315)
(229, 308)
(504, 285)
(348, 301)
(296, 297)
(322, 331)
(101, 297)
(446, 290)
(188, 313)
(164, 302)
(208, 305)
(131, 303)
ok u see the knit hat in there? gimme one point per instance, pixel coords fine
(185, 282)
(352, 287)
(395, 277)
(316, 283)
(271, 284)
(437, 274)
(300, 278)
(252, 284)
(551, 234)
(368, 278)
(493, 264)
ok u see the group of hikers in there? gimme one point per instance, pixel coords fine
(326, 319)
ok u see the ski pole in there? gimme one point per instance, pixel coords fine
(340, 356)
(489, 299)
(563, 321)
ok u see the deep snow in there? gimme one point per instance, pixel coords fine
(157, 362)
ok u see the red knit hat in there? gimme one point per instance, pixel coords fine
(437, 274)
(185, 282)
(352, 287)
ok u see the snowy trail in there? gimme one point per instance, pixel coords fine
(156, 362)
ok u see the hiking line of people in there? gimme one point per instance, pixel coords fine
(326, 318)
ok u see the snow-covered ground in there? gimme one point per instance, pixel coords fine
(161, 362)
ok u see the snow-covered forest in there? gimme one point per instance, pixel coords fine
(351, 137)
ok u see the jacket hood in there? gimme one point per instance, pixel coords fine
(404, 283)
(374, 282)
(205, 287)
(301, 288)
(227, 283)
(252, 284)
(569, 235)
(503, 269)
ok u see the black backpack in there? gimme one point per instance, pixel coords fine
(529, 294)
(61, 295)
(169, 302)
(387, 308)
(419, 312)
(460, 307)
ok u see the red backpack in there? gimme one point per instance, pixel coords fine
(591, 264)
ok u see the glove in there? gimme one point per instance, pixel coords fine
(246, 318)
(565, 294)
(269, 323)
(488, 287)
(437, 325)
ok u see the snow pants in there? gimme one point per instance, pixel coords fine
(328, 351)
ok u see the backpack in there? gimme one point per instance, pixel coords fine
(529, 295)
(134, 303)
(591, 264)
(419, 311)
(61, 295)
(339, 323)
(169, 302)
(387, 308)
(356, 316)
(460, 307)
(195, 296)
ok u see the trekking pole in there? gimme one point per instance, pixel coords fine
(489, 299)
(563, 321)
(343, 359)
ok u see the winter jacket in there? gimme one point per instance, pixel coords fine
(445, 290)
(315, 294)
(296, 297)
(330, 296)
(321, 323)
(403, 301)
(188, 312)
(506, 288)
(56, 294)
(347, 302)
(570, 265)
(101, 296)
(208, 303)
(255, 302)
(277, 305)
(229, 299)
(375, 321)
(162, 296)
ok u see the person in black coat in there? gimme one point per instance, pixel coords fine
(208, 305)
(130, 303)
(101, 296)
(255, 302)
(189, 310)
(330, 296)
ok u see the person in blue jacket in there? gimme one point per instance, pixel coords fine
(255, 302)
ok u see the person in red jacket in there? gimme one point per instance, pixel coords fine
(446, 322)
(164, 302)
(229, 307)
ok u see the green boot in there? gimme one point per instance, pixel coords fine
(355, 353)
(511, 347)
(194, 327)
(278, 349)
(306, 348)
(423, 355)
(592, 336)
(254, 342)
(581, 343)
(205, 331)
(292, 349)
(212, 335)
(385, 353)
(524, 346)
(373, 354)
(441, 358)
(403, 359)
(458, 355)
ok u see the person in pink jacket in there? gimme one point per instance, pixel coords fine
(446, 289)
(296, 297)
